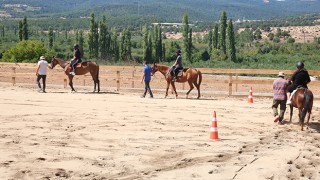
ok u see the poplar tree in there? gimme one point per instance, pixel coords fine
(25, 31)
(50, 37)
(146, 47)
(210, 36)
(93, 38)
(223, 27)
(81, 42)
(231, 42)
(103, 39)
(185, 34)
(114, 45)
(20, 31)
(215, 38)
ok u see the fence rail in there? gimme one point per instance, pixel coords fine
(231, 81)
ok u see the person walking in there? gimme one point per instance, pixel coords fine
(280, 86)
(41, 73)
(146, 77)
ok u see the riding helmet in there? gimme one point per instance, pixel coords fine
(178, 51)
(300, 65)
(75, 46)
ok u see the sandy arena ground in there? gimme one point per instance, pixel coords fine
(63, 135)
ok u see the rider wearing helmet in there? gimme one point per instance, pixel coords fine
(177, 66)
(76, 58)
(300, 78)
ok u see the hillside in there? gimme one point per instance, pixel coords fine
(160, 10)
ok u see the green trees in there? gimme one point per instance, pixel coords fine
(25, 51)
(51, 38)
(125, 45)
(187, 38)
(104, 39)
(23, 29)
(222, 34)
(231, 42)
(93, 38)
(147, 47)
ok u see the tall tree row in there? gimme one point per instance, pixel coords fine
(23, 29)
(222, 34)
(187, 38)
(93, 40)
(231, 42)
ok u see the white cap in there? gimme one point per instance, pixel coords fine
(42, 58)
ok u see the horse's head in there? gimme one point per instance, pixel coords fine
(54, 62)
(154, 69)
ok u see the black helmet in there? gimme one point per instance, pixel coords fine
(75, 46)
(300, 65)
(178, 51)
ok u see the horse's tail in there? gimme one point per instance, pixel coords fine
(199, 77)
(308, 100)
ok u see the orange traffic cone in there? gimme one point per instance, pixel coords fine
(250, 98)
(214, 128)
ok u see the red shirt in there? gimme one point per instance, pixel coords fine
(280, 86)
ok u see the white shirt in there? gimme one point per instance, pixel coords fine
(43, 67)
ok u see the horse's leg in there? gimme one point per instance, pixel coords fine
(191, 87)
(291, 112)
(198, 88)
(168, 84)
(71, 83)
(174, 89)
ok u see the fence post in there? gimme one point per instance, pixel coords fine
(64, 83)
(230, 84)
(14, 76)
(236, 82)
(118, 80)
(132, 85)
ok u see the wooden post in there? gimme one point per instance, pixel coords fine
(118, 80)
(64, 83)
(132, 85)
(236, 82)
(230, 84)
(13, 76)
(84, 81)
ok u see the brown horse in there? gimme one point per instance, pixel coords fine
(81, 69)
(303, 100)
(189, 75)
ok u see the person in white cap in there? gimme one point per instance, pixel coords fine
(280, 86)
(41, 73)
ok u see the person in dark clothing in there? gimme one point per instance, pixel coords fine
(146, 77)
(177, 66)
(300, 78)
(76, 58)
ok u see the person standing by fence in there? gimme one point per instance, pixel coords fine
(41, 73)
(147, 78)
(280, 86)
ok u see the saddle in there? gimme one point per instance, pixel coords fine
(79, 65)
(294, 91)
(179, 73)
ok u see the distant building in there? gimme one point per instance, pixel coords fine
(177, 25)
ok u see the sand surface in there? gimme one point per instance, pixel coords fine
(118, 135)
